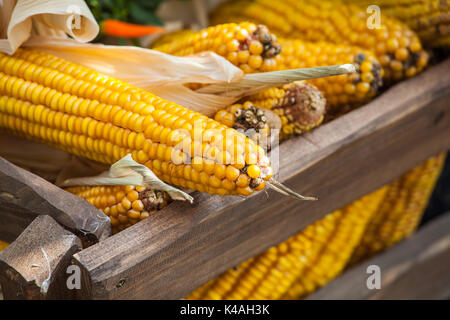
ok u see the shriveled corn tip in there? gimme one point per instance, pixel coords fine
(248, 46)
(124, 205)
(341, 91)
(248, 119)
(300, 106)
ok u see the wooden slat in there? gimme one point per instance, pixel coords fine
(34, 266)
(24, 195)
(181, 247)
(416, 268)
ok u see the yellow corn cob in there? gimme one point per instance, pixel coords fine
(341, 92)
(250, 47)
(300, 106)
(171, 36)
(124, 205)
(401, 210)
(103, 119)
(429, 18)
(3, 245)
(397, 48)
(302, 263)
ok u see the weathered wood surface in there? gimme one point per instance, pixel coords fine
(416, 268)
(34, 266)
(181, 247)
(23, 196)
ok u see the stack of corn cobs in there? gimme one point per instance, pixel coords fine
(68, 106)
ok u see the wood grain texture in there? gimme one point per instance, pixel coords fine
(23, 196)
(176, 250)
(416, 268)
(34, 266)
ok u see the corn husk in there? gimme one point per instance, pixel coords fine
(252, 83)
(125, 172)
(19, 19)
(165, 75)
(157, 72)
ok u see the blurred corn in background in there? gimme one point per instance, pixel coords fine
(430, 19)
(3, 245)
(315, 256)
(396, 46)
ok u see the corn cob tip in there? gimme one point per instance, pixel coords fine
(365, 65)
(300, 106)
(271, 47)
(247, 118)
(249, 46)
(304, 104)
(124, 205)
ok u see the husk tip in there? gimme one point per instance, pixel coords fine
(279, 187)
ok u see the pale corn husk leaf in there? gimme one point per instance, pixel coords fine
(45, 17)
(126, 171)
(154, 71)
(281, 188)
(164, 74)
(254, 82)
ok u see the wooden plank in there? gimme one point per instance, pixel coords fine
(181, 247)
(34, 266)
(23, 196)
(416, 268)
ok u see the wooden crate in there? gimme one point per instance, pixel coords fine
(176, 250)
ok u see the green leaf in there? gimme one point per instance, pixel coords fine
(138, 15)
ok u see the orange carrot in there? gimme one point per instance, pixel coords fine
(116, 28)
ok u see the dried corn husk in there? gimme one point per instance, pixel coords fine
(126, 171)
(19, 19)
